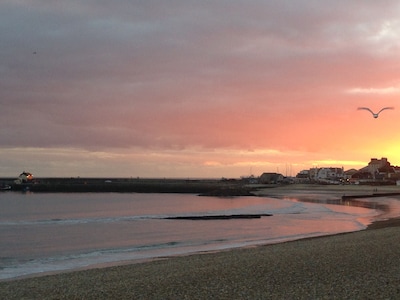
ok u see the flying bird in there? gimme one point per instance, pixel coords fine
(375, 115)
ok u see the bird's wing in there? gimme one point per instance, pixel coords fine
(366, 108)
(385, 108)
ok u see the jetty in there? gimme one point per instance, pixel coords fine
(373, 195)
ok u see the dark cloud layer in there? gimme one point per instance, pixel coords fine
(180, 74)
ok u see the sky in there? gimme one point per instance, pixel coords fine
(196, 89)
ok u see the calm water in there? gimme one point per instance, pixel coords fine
(53, 232)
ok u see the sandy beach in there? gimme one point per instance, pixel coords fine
(357, 265)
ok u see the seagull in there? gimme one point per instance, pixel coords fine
(375, 115)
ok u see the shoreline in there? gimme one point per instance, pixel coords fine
(104, 282)
(355, 265)
(392, 222)
(380, 224)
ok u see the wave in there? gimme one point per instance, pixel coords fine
(11, 268)
(153, 236)
(248, 212)
(59, 221)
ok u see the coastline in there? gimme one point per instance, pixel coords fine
(355, 265)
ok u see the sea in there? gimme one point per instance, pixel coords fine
(44, 233)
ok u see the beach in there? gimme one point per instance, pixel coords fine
(356, 265)
(360, 265)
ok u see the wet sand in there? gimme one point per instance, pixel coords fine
(358, 265)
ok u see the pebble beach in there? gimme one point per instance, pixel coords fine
(357, 265)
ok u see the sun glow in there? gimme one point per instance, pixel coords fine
(343, 163)
(392, 154)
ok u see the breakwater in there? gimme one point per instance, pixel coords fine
(219, 217)
(204, 187)
(373, 195)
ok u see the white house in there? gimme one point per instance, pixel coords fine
(330, 175)
(24, 177)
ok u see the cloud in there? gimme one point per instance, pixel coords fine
(386, 90)
(180, 75)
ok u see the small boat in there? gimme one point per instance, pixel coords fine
(5, 187)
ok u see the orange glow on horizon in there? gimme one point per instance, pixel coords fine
(198, 90)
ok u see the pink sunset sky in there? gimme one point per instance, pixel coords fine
(196, 88)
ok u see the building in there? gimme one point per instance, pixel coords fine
(375, 165)
(271, 178)
(378, 171)
(327, 175)
(304, 174)
(24, 177)
(349, 173)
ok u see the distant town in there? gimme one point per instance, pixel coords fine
(377, 172)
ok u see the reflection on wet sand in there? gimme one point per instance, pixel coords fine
(387, 204)
(384, 207)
